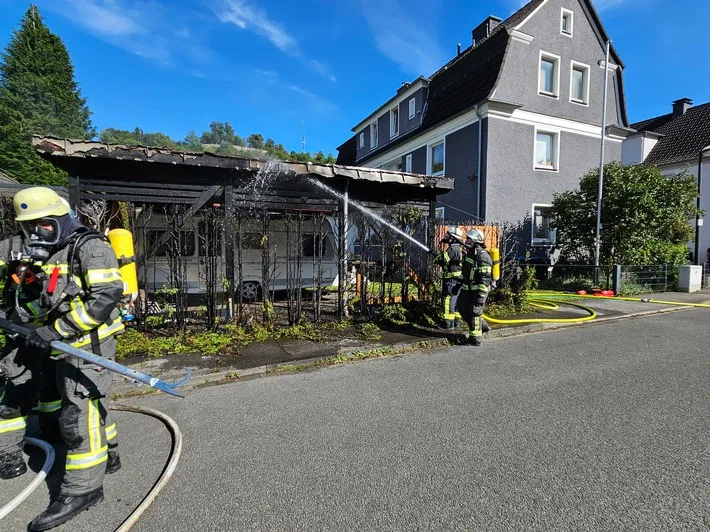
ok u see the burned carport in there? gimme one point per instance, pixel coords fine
(191, 182)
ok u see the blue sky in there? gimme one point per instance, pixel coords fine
(268, 66)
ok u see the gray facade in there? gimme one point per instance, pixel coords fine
(512, 186)
(461, 160)
(383, 119)
(534, 143)
(523, 60)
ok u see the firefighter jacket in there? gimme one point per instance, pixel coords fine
(450, 261)
(83, 309)
(477, 273)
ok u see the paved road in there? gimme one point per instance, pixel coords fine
(601, 427)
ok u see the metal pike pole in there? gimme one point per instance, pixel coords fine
(131, 374)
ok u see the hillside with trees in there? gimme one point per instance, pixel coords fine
(220, 138)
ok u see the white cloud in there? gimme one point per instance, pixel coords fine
(252, 18)
(105, 17)
(148, 29)
(402, 37)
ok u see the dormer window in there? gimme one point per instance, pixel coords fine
(394, 122)
(412, 108)
(567, 22)
(374, 135)
(362, 140)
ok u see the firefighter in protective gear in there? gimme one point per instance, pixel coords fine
(450, 260)
(62, 281)
(477, 268)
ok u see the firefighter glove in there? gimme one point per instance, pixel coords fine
(41, 338)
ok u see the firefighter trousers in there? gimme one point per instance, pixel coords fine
(451, 288)
(471, 305)
(71, 398)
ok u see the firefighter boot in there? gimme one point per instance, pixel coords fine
(484, 326)
(64, 508)
(12, 465)
(474, 340)
(113, 464)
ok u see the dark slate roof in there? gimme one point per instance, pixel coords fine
(684, 135)
(347, 152)
(466, 80)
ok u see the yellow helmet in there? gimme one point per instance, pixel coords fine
(38, 202)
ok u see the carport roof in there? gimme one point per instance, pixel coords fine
(75, 156)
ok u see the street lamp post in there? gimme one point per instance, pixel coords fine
(698, 220)
(597, 240)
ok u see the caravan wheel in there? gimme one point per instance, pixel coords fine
(251, 291)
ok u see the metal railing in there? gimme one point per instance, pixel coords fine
(574, 277)
(625, 279)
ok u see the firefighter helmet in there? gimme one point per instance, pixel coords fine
(473, 237)
(38, 202)
(455, 234)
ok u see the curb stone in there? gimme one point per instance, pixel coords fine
(127, 390)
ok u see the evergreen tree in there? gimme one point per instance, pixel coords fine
(38, 95)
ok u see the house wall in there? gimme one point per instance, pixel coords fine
(512, 184)
(383, 123)
(635, 149)
(692, 168)
(461, 163)
(519, 78)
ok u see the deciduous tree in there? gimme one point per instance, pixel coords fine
(645, 216)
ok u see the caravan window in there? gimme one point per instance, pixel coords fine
(187, 244)
(312, 246)
(210, 239)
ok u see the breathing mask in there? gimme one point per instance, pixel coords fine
(40, 236)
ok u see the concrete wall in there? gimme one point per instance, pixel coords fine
(519, 80)
(513, 186)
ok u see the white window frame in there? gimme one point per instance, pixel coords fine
(408, 163)
(439, 213)
(555, 74)
(547, 242)
(574, 65)
(430, 159)
(412, 108)
(555, 149)
(374, 135)
(362, 139)
(394, 122)
(571, 22)
(397, 162)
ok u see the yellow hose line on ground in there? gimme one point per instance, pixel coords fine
(540, 300)
(535, 295)
(551, 306)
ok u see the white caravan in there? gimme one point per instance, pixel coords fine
(195, 249)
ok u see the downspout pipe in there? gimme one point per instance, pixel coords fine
(479, 162)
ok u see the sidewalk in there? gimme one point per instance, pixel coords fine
(262, 358)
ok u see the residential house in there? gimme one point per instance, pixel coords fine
(674, 142)
(514, 118)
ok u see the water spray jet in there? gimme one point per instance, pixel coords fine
(369, 212)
